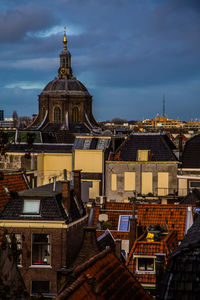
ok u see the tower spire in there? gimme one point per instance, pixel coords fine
(65, 39)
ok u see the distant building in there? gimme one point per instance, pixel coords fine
(144, 163)
(1, 115)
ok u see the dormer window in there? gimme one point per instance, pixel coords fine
(31, 207)
(143, 155)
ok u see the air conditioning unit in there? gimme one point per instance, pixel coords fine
(100, 200)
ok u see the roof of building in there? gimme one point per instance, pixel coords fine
(13, 181)
(40, 148)
(50, 208)
(174, 216)
(164, 244)
(181, 278)
(89, 247)
(67, 86)
(113, 210)
(91, 143)
(160, 146)
(103, 277)
(190, 156)
(192, 197)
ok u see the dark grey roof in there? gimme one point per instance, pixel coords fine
(51, 207)
(190, 156)
(182, 275)
(159, 144)
(91, 143)
(106, 240)
(68, 86)
(192, 197)
(38, 148)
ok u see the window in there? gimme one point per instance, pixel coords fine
(145, 264)
(40, 287)
(147, 183)
(57, 114)
(18, 238)
(75, 114)
(163, 182)
(143, 155)
(129, 181)
(31, 207)
(194, 184)
(41, 250)
(124, 223)
(113, 182)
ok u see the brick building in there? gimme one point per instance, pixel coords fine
(48, 224)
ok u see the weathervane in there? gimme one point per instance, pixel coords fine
(65, 39)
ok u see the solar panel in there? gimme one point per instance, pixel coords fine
(124, 224)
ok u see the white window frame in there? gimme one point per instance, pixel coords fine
(136, 257)
(33, 212)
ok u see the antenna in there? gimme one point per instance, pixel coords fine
(164, 105)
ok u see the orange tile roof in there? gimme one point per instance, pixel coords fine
(143, 247)
(14, 182)
(104, 277)
(117, 235)
(113, 210)
(172, 215)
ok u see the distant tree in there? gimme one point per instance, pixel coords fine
(24, 121)
(118, 121)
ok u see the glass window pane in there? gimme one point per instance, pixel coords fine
(41, 251)
(40, 287)
(31, 207)
(124, 223)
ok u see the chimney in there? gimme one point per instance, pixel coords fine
(77, 184)
(66, 195)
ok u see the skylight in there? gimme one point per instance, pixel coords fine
(31, 207)
(124, 223)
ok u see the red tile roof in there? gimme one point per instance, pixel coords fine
(103, 277)
(113, 210)
(143, 247)
(14, 181)
(172, 215)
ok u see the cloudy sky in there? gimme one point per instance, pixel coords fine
(128, 53)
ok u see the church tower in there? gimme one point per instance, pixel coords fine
(65, 102)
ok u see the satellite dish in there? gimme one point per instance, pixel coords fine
(103, 218)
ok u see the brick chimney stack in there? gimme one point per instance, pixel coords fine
(77, 184)
(66, 195)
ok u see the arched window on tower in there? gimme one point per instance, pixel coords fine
(75, 114)
(57, 114)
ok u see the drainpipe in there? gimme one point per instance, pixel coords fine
(103, 175)
(159, 265)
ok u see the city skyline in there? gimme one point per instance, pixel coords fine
(127, 53)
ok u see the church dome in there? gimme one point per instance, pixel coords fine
(67, 86)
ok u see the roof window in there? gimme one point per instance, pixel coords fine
(124, 223)
(31, 207)
(143, 155)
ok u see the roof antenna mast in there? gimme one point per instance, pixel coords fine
(164, 105)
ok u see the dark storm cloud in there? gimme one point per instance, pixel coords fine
(120, 48)
(16, 22)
